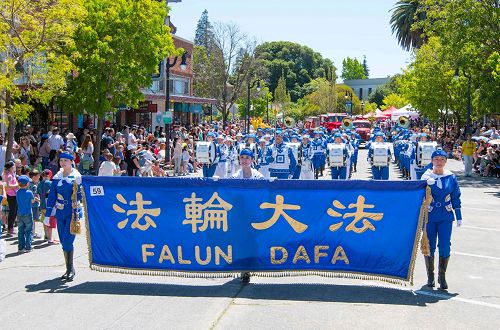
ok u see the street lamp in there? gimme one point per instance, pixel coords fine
(250, 86)
(362, 108)
(469, 106)
(348, 95)
(169, 65)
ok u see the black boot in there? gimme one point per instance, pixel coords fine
(65, 276)
(70, 268)
(355, 168)
(429, 264)
(443, 264)
(245, 277)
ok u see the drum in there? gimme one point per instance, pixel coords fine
(295, 149)
(424, 152)
(203, 152)
(380, 154)
(336, 157)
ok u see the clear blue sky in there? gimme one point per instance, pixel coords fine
(334, 28)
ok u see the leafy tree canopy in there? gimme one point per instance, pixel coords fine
(297, 63)
(352, 68)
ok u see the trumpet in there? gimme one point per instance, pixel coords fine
(404, 122)
(289, 122)
(346, 123)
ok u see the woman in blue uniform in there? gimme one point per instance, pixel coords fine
(60, 197)
(445, 200)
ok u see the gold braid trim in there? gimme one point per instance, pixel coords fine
(75, 226)
(423, 220)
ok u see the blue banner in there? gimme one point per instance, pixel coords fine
(336, 228)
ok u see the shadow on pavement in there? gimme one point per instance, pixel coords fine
(290, 292)
(477, 181)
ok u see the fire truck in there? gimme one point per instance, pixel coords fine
(332, 120)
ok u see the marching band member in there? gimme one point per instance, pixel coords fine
(61, 197)
(214, 154)
(246, 172)
(305, 154)
(445, 199)
(232, 156)
(337, 155)
(318, 154)
(379, 156)
(221, 170)
(282, 162)
(355, 141)
(262, 163)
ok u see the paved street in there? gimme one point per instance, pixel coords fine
(32, 296)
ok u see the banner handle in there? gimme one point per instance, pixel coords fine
(424, 215)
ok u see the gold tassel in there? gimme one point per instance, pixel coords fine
(424, 212)
(75, 226)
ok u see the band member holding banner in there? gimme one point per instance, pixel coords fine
(282, 162)
(246, 172)
(65, 196)
(445, 199)
(305, 156)
(337, 155)
(207, 153)
(379, 156)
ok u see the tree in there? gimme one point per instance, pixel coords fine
(378, 95)
(297, 63)
(281, 96)
(323, 99)
(395, 100)
(352, 69)
(117, 48)
(33, 67)
(204, 31)
(342, 100)
(468, 32)
(428, 82)
(222, 70)
(365, 67)
(404, 16)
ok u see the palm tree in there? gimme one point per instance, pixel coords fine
(404, 15)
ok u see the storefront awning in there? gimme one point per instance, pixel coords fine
(181, 99)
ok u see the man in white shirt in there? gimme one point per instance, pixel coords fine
(55, 140)
(2, 155)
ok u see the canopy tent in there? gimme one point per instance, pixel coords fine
(388, 112)
(407, 111)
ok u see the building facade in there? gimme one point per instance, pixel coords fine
(364, 87)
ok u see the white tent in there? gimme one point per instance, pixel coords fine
(407, 111)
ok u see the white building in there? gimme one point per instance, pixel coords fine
(364, 87)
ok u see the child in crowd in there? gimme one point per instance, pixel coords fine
(184, 159)
(42, 191)
(3, 203)
(108, 167)
(35, 180)
(25, 200)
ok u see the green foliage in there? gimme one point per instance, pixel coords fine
(366, 70)
(352, 69)
(116, 49)
(204, 31)
(259, 101)
(33, 35)
(298, 64)
(469, 36)
(378, 95)
(395, 100)
(404, 16)
(323, 99)
(342, 100)
(428, 82)
(281, 96)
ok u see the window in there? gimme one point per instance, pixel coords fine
(361, 93)
(369, 90)
(179, 85)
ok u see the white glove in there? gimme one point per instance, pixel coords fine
(431, 181)
(271, 179)
(459, 223)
